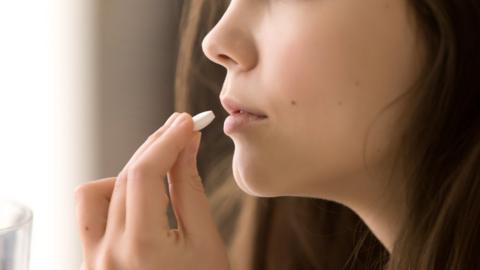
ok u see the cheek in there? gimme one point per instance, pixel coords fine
(314, 92)
(316, 136)
(312, 130)
(308, 72)
(325, 87)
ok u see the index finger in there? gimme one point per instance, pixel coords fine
(147, 200)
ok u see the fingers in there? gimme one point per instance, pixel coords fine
(151, 139)
(188, 196)
(135, 206)
(116, 213)
(92, 201)
(147, 201)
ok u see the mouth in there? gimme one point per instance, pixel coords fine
(235, 108)
(248, 114)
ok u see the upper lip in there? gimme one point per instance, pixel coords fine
(232, 107)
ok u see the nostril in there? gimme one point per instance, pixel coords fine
(223, 57)
(226, 60)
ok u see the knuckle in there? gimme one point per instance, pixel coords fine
(138, 170)
(120, 179)
(156, 134)
(153, 136)
(81, 192)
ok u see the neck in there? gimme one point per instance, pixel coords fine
(384, 215)
(381, 204)
(378, 200)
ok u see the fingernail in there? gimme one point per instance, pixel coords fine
(179, 120)
(171, 119)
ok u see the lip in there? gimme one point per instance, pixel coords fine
(241, 116)
(240, 121)
(233, 107)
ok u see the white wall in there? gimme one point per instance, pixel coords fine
(46, 115)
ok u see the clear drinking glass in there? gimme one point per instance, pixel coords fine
(15, 234)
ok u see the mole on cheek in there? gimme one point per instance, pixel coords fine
(86, 228)
(293, 102)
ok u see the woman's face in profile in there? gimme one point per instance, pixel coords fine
(321, 71)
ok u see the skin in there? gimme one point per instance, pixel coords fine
(321, 71)
(123, 220)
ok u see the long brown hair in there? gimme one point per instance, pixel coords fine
(441, 142)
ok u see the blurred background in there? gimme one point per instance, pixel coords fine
(82, 85)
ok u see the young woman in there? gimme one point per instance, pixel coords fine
(373, 105)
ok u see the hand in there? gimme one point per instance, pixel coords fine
(123, 221)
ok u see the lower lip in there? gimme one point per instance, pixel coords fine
(239, 121)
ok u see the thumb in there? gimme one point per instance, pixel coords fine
(187, 193)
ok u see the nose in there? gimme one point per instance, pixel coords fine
(230, 44)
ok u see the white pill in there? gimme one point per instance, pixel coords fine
(202, 120)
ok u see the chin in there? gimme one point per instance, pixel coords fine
(251, 181)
